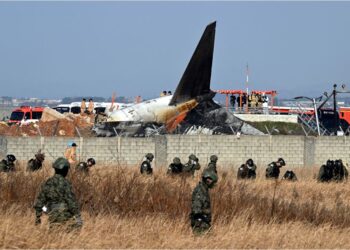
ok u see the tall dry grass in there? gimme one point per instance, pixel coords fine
(123, 209)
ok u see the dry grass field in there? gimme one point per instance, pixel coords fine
(122, 209)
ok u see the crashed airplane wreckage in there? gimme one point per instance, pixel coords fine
(191, 110)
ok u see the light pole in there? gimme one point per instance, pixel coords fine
(315, 110)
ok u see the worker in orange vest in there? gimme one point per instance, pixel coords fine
(71, 153)
(91, 107)
(83, 106)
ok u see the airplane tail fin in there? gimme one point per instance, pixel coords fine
(195, 81)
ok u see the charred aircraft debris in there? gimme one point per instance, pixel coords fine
(191, 110)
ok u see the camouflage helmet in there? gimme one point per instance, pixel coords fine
(281, 161)
(192, 157)
(149, 156)
(209, 174)
(11, 158)
(250, 162)
(176, 160)
(214, 158)
(92, 161)
(61, 163)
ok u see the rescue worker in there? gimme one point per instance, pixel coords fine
(91, 107)
(8, 164)
(200, 210)
(146, 167)
(212, 164)
(83, 106)
(71, 153)
(192, 165)
(340, 173)
(176, 167)
(326, 172)
(289, 175)
(36, 163)
(273, 169)
(85, 166)
(56, 198)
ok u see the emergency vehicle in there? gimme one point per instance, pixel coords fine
(26, 114)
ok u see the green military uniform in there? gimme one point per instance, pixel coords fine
(56, 197)
(192, 165)
(200, 210)
(212, 164)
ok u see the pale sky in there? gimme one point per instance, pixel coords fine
(57, 49)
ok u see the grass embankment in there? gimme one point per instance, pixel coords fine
(279, 128)
(122, 209)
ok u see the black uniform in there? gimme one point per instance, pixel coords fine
(326, 172)
(290, 175)
(82, 167)
(340, 173)
(175, 168)
(146, 167)
(7, 166)
(272, 171)
(246, 171)
(34, 165)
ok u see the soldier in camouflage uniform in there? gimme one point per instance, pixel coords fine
(201, 211)
(175, 167)
(36, 163)
(57, 199)
(192, 165)
(146, 167)
(289, 175)
(8, 164)
(326, 172)
(84, 167)
(212, 164)
(273, 169)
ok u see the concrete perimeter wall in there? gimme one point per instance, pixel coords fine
(232, 151)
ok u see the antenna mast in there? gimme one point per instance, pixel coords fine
(247, 79)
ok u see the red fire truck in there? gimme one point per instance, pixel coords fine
(26, 114)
